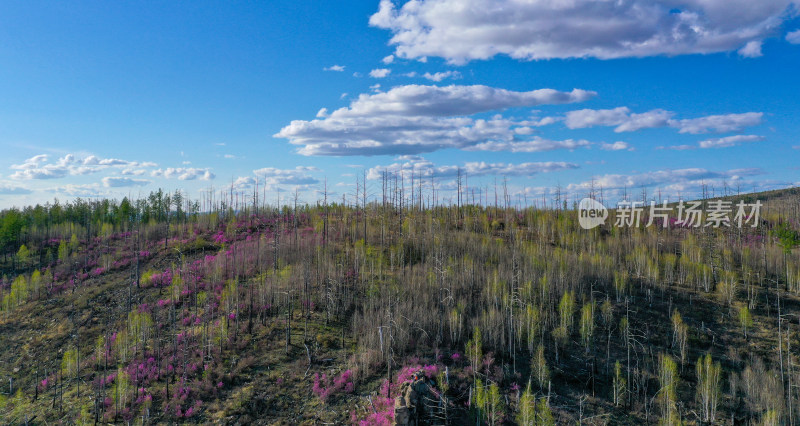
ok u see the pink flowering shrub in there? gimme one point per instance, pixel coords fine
(325, 386)
(383, 413)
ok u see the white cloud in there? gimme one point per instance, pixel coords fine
(718, 123)
(729, 141)
(616, 146)
(133, 172)
(10, 189)
(439, 76)
(380, 72)
(184, 173)
(47, 172)
(117, 182)
(625, 121)
(39, 167)
(388, 60)
(423, 167)
(464, 30)
(620, 117)
(678, 147)
(338, 68)
(297, 176)
(85, 190)
(31, 163)
(414, 119)
(751, 50)
(670, 178)
(416, 99)
(793, 37)
(596, 117)
(536, 144)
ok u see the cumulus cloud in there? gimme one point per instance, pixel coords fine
(116, 182)
(388, 59)
(10, 189)
(39, 167)
(621, 117)
(536, 144)
(297, 176)
(84, 190)
(414, 119)
(423, 167)
(271, 177)
(439, 76)
(133, 172)
(184, 173)
(669, 179)
(616, 146)
(751, 50)
(793, 37)
(729, 141)
(460, 30)
(626, 121)
(338, 68)
(718, 123)
(678, 147)
(380, 72)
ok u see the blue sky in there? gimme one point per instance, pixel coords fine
(105, 99)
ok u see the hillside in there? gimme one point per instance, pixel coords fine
(160, 311)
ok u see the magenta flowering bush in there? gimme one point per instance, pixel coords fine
(325, 386)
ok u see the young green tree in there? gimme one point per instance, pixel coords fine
(668, 392)
(526, 409)
(680, 335)
(539, 369)
(620, 386)
(708, 387)
(745, 319)
(587, 324)
(474, 351)
(496, 407)
(23, 256)
(543, 413)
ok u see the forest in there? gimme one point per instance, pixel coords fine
(244, 308)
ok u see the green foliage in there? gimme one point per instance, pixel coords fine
(539, 369)
(745, 319)
(543, 413)
(63, 251)
(587, 324)
(139, 327)
(566, 308)
(620, 284)
(620, 386)
(121, 389)
(23, 255)
(481, 399)
(787, 237)
(708, 387)
(526, 409)
(69, 363)
(496, 406)
(668, 393)
(474, 350)
(680, 335)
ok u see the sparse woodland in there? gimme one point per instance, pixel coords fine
(240, 308)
